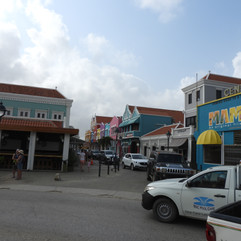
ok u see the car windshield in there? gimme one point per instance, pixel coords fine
(109, 153)
(169, 158)
(137, 157)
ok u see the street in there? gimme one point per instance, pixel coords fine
(29, 215)
(63, 214)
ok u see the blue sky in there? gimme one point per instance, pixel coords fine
(109, 53)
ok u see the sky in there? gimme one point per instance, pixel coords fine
(105, 54)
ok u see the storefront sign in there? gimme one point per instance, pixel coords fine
(229, 116)
(233, 90)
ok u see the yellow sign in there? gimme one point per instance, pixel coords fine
(225, 116)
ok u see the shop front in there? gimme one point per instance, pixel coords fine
(218, 132)
(130, 144)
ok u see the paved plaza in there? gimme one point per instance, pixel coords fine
(122, 184)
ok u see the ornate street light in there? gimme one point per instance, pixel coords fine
(117, 131)
(2, 110)
(168, 138)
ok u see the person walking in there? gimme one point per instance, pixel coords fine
(14, 158)
(82, 160)
(19, 162)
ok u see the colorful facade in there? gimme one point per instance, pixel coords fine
(137, 121)
(37, 121)
(219, 132)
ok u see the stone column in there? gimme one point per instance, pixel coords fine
(31, 150)
(189, 150)
(65, 149)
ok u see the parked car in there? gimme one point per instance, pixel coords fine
(166, 164)
(134, 161)
(95, 154)
(106, 156)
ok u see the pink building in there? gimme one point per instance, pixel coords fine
(114, 133)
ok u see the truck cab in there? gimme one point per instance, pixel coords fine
(194, 197)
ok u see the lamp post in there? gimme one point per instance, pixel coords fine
(2, 113)
(116, 138)
(2, 110)
(168, 138)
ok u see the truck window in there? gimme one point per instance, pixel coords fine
(211, 180)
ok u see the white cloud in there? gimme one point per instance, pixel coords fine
(9, 6)
(10, 43)
(187, 81)
(166, 9)
(237, 65)
(94, 80)
(103, 52)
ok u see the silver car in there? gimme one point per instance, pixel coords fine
(134, 161)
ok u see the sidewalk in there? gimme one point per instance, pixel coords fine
(120, 184)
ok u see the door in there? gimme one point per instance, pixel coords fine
(204, 194)
(128, 160)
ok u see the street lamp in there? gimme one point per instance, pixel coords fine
(168, 137)
(117, 130)
(2, 110)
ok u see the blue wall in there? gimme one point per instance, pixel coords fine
(33, 106)
(223, 116)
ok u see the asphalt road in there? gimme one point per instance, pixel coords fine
(57, 216)
(84, 206)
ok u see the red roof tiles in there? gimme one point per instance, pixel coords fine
(222, 78)
(28, 90)
(163, 130)
(35, 125)
(103, 119)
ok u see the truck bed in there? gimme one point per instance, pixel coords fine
(230, 212)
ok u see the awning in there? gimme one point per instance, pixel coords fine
(128, 122)
(177, 142)
(209, 137)
(44, 126)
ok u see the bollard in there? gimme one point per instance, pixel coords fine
(99, 167)
(108, 169)
(118, 164)
(115, 164)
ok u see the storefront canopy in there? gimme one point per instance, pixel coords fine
(128, 122)
(209, 137)
(177, 142)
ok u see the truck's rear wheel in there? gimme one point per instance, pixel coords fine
(165, 210)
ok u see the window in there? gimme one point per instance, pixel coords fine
(41, 114)
(9, 111)
(24, 113)
(210, 180)
(57, 115)
(191, 121)
(190, 99)
(218, 94)
(212, 154)
(198, 95)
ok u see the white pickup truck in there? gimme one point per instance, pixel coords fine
(194, 197)
(224, 224)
